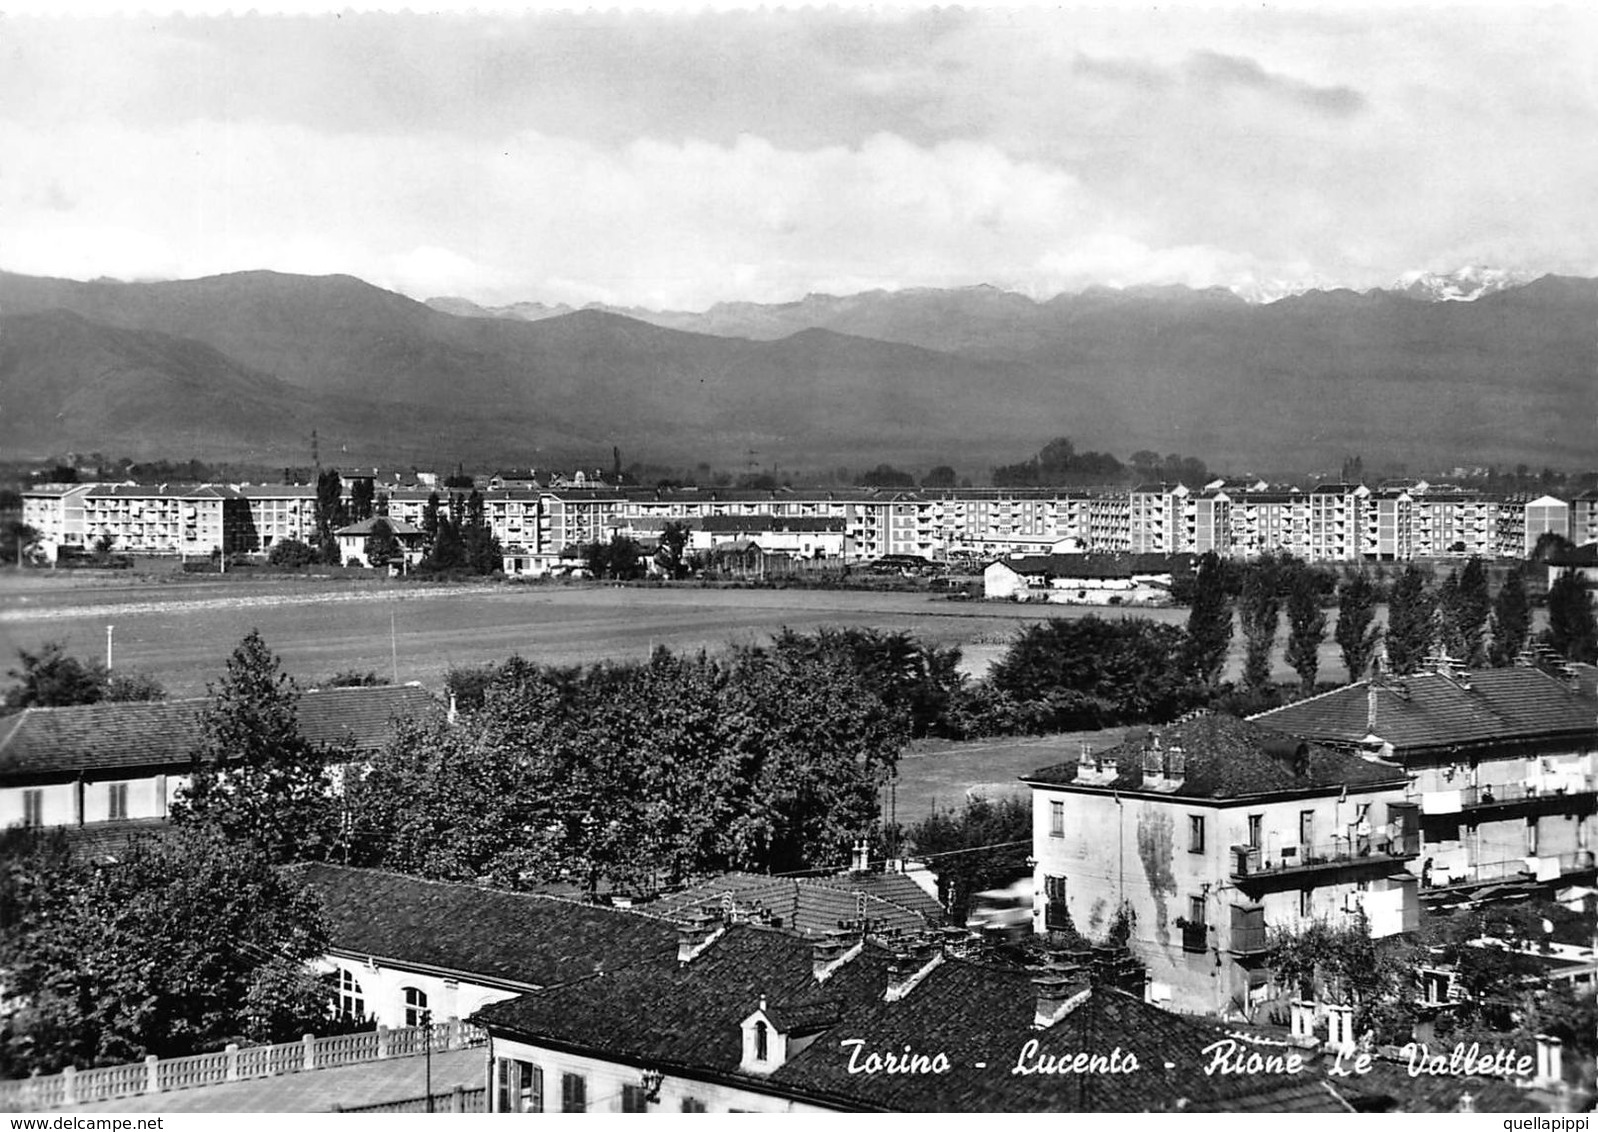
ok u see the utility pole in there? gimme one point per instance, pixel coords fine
(427, 1028)
(109, 629)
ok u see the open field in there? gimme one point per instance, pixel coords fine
(938, 774)
(181, 630)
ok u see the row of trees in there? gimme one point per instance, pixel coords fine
(1059, 463)
(767, 760)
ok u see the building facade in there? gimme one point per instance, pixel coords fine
(1194, 840)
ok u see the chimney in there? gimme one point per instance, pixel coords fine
(1059, 991)
(696, 935)
(1370, 708)
(1550, 1061)
(861, 860)
(1175, 765)
(831, 952)
(909, 965)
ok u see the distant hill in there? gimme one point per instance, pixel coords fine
(971, 376)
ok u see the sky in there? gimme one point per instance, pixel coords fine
(674, 158)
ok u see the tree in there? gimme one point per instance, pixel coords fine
(1410, 625)
(671, 557)
(431, 520)
(917, 682)
(1066, 675)
(291, 554)
(1572, 631)
(363, 495)
(621, 558)
(1338, 962)
(1511, 618)
(1306, 626)
(51, 678)
(1472, 610)
(941, 476)
(381, 545)
(129, 686)
(1209, 623)
(255, 777)
(18, 542)
(885, 475)
(765, 760)
(1004, 824)
(1356, 634)
(351, 678)
(481, 549)
(1260, 611)
(192, 940)
(330, 514)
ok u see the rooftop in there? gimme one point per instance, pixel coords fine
(520, 938)
(1226, 757)
(811, 905)
(1097, 565)
(1430, 709)
(165, 733)
(686, 1019)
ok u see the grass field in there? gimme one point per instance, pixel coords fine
(181, 630)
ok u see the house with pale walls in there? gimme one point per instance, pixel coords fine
(400, 945)
(1197, 838)
(352, 540)
(1503, 764)
(1085, 579)
(109, 771)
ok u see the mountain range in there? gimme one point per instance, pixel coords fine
(242, 367)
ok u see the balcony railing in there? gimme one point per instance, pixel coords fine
(1340, 852)
(1475, 797)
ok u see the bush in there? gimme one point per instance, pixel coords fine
(292, 554)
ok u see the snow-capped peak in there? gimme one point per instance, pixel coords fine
(1462, 286)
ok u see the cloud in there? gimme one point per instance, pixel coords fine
(1213, 72)
(685, 159)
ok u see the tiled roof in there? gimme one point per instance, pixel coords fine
(1498, 705)
(811, 905)
(1097, 565)
(1228, 758)
(516, 937)
(686, 1019)
(399, 527)
(165, 733)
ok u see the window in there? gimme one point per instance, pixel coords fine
(415, 1006)
(1056, 916)
(1531, 837)
(1255, 821)
(33, 807)
(634, 1099)
(351, 1002)
(1195, 833)
(117, 801)
(762, 1042)
(693, 1104)
(573, 1092)
(520, 1086)
(1305, 908)
(1056, 819)
(1306, 828)
(1195, 931)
